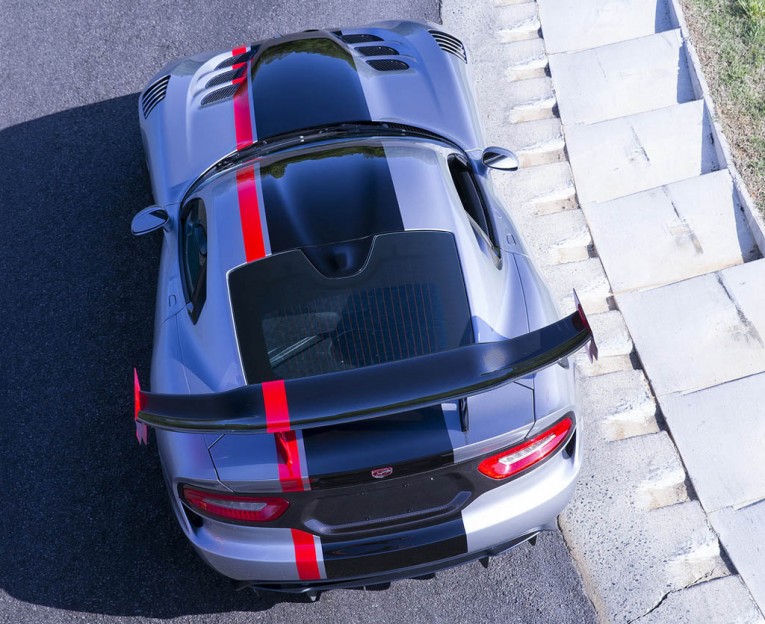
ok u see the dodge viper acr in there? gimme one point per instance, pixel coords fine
(357, 373)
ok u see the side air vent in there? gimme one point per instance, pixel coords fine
(388, 65)
(378, 50)
(360, 38)
(153, 95)
(449, 44)
(239, 58)
(231, 74)
(220, 94)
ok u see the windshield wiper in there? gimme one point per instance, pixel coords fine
(280, 356)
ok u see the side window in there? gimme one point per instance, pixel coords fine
(469, 195)
(194, 255)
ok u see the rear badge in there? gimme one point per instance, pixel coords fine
(381, 473)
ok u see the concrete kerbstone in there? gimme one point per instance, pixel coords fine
(580, 24)
(630, 154)
(720, 435)
(700, 332)
(623, 78)
(620, 405)
(671, 233)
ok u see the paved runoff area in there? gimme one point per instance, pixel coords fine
(627, 193)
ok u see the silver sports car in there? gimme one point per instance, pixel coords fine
(358, 375)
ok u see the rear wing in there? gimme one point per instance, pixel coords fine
(368, 392)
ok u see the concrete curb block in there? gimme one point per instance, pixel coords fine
(722, 148)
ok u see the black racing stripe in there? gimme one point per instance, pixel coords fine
(348, 558)
(410, 442)
(319, 198)
(305, 83)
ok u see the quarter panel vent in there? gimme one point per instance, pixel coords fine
(450, 44)
(153, 95)
(388, 65)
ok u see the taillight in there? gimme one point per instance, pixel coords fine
(514, 460)
(234, 507)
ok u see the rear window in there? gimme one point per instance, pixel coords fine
(294, 321)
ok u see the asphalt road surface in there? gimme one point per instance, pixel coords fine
(86, 532)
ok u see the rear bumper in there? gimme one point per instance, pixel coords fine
(424, 569)
(493, 523)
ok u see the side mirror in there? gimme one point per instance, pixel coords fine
(148, 220)
(500, 158)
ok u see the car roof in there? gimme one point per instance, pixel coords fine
(331, 192)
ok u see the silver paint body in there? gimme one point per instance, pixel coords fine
(182, 140)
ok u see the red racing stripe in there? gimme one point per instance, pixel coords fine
(242, 118)
(247, 191)
(274, 393)
(249, 213)
(277, 412)
(305, 556)
(287, 443)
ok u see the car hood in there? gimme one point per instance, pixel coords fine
(192, 113)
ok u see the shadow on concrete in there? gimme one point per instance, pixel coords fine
(86, 525)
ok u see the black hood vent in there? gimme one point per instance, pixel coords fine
(388, 65)
(153, 95)
(239, 58)
(219, 95)
(377, 50)
(231, 74)
(450, 44)
(359, 38)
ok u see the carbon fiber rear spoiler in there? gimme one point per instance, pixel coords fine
(368, 392)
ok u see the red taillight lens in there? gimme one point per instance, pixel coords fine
(234, 507)
(512, 461)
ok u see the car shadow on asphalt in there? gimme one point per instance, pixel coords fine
(86, 525)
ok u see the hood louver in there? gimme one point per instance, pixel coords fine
(388, 65)
(450, 44)
(225, 77)
(153, 95)
(220, 94)
(235, 73)
(360, 38)
(377, 50)
(239, 58)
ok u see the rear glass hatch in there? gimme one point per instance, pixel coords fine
(303, 312)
